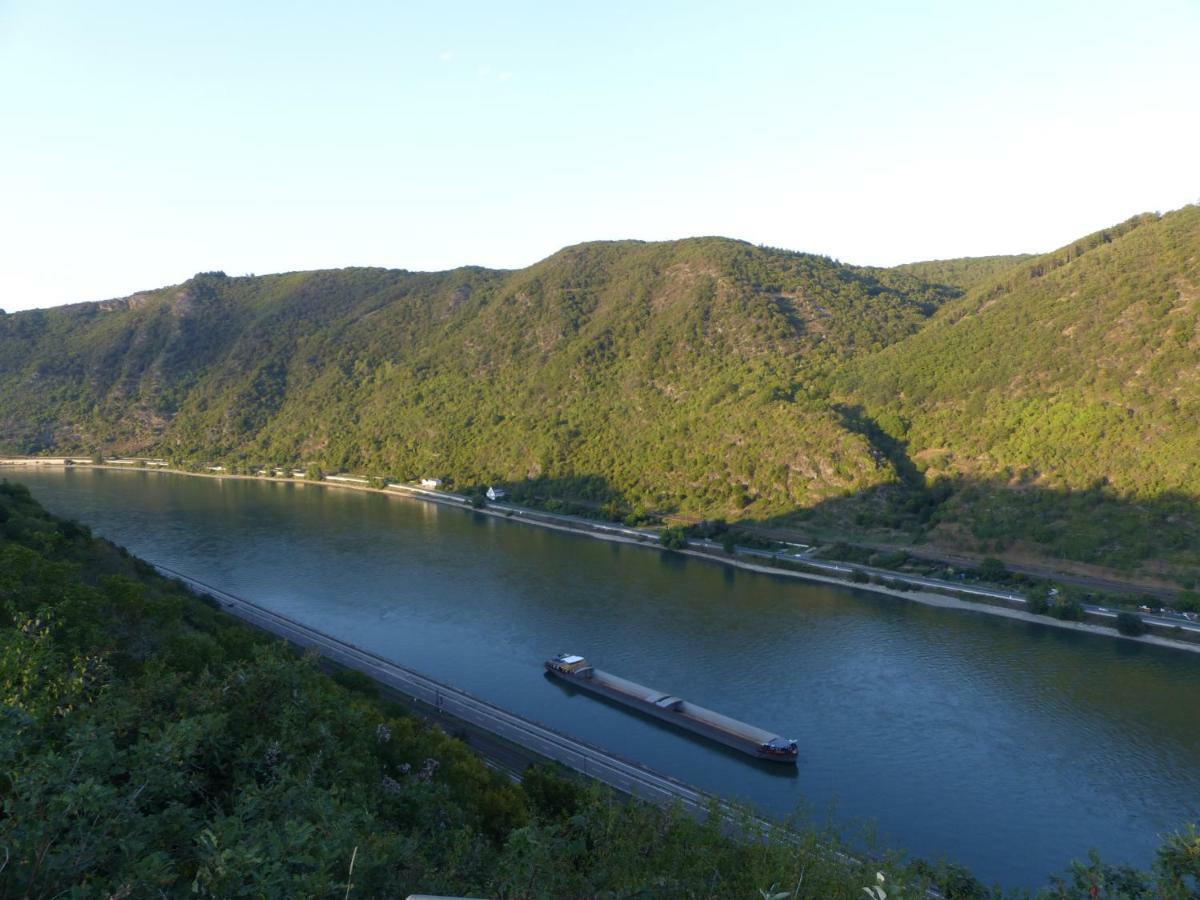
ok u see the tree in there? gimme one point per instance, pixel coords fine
(1131, 624)
(992, 569)
(1069, 610)
(673, 538)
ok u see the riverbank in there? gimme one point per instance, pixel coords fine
(623, 535)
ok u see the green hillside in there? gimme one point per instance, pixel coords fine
(687, 375)
(1044, 406)
(1063, 398)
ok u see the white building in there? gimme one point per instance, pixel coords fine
(431, 483)
(495, 493)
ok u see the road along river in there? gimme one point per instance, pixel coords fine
(1006, 746)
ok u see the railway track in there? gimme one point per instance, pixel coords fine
(621, 774)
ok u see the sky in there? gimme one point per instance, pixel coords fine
(141, 142)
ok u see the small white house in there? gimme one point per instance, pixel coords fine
(431, 483)
(495, 493)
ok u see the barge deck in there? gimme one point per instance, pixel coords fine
(749, 739)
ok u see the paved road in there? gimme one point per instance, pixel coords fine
(1169, 621)
(836, 568)
(967, 561)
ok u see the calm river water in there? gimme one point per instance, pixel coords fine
(1005, 746)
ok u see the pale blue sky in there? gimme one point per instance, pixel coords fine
(143, 141)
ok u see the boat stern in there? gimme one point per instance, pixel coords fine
(780, 749)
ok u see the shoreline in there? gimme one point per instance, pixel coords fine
(550, 521)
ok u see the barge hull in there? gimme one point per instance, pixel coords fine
(674, 711)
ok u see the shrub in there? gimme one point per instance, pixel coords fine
(673, 538)
(1130, 624)
(1068, 610)
(992, 569)
(551, 792)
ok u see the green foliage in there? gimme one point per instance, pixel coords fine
(686, 375)
(553, 793)
(1188, 601)
(964, 274)
(1068, 609)
(1058, 396)
(1130, 624)
(673, 538)
(992, 569)
(1176, 876)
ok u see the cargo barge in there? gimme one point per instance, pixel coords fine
(578, 671)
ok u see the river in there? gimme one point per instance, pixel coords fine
(1007, 747)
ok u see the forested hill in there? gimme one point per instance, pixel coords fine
(1089, 355)
(1071, 385)
(1045, 404)
(689, 374)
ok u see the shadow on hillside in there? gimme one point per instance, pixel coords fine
(976, 516)
(984, 517)
(995, 516)
(885, 447)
